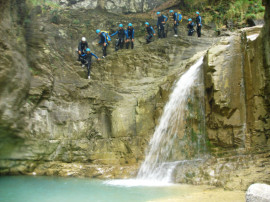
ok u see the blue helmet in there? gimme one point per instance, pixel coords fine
(121, 25)
(197, 13)
(158, 13)
(130, 24)
(147, 23)
(97, 31)
(88, 50)
(189, 19)
(171, 11)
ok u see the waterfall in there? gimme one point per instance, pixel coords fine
(174, 138)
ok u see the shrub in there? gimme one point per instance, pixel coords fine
(250, 16)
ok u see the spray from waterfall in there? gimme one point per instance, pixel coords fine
(175, 137)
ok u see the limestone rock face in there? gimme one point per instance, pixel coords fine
(225, 109)
(14, 72)
(266, 61)
(232, 172)
(53, 121)
(256, 77)
(235, 81)
(258, 193)
(116, 6)
(71, 126)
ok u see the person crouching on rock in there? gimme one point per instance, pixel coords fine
(103, 41)
(121, 38)
(87, 60)
(190, 27)
(149, 32)
(130, 36)
(83, 45)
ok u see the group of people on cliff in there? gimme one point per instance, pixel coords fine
(126, 37)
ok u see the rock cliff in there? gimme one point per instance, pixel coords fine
(62, 120)
(115, 6)
(55, 122)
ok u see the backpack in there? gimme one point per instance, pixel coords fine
(107, 36)
(180, 17)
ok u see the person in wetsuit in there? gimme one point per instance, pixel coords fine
(175, 21)
(161, 21)
(86, 60)
(83, 45)
(130, 36)
(199, 24)
(150, 32)
(190, 27)
(121, 38)
(103, 41)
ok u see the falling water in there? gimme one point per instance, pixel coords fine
(174, 138)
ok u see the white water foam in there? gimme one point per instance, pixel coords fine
(138, 183)
(149, 183)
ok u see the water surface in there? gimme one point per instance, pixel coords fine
(56, 189)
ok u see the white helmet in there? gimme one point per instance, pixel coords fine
(83, 39)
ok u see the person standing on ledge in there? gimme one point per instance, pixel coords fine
(130, 36)
(121, 38)
(161, 21)
(190, 27)
(175, 21)
(199, 24)
(150, 32)
(103, 41)
(83, 45)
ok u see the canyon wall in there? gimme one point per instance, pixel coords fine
(55, 122)
(116, 6)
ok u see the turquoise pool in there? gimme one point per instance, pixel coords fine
(50, 189)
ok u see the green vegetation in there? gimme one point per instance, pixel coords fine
(245, 9)
(47, 3)
(226, 12)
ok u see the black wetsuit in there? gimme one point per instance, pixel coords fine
(160, 25)
(190, 27)
(199, 25)
(121, 39)
(150, 31)
(103, 39)
(86, 59)
(82, 47)
(175, 25)
(130, 35)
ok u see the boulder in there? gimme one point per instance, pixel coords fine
(258, 193)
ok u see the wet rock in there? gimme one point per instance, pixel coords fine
(232, 172)
(266, 53)
(224, 110)
(258, 193)
(234, 84)
(113, 6)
